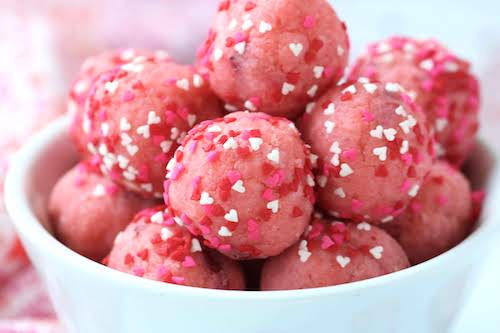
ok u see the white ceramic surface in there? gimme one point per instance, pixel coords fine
(91, 298)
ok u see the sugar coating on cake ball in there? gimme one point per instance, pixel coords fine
(156, 246)
(439, 81)
(244, 183)
(274, 56)
(438, 218)
(332, 253)
(374, 149)
(91, 68)
(87, 210)
(137, 115)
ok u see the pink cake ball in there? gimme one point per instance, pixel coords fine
(274, 56)
(139, 113)
(91, 68)
(244, 183)
(438, 218)
(332, 253)
(374, 150)
(87, 210)
(439, 81)
(155, 247)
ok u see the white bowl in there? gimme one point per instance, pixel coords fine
(91, 298)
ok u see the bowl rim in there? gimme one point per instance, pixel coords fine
(31, 230)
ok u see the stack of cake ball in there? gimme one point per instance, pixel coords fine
(257, 161)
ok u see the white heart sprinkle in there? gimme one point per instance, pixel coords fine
(393, 87)
(195, 245)
(296, 48)
(249, 105)
(376, 252)
(224, 232)
(122, 161)
(404, 147)
(380, 152)
(427, 65)
(329, 126)
(99, 191)
(264, 27)
(147, 187)
(218, 53)
(440, 124)
(387, 219)
(153, 118)
(330, 109)
(310, 107)
(310, 181)
(414, 191)
(451, 66)
(351, 89)
(166, 233)
(191, 118)
(206, 199)
(232, 25)
(390, 134)
(197, 80)
(345, 170)
(335, 160)
(132, 149)
(111, 86)
(239, 187)
(335, 148)
(377, 132)
(133, 67)
(339, 192)
(340, 50)
(183, 84)
(364, 226)
(370, 87)
(240, 47)
(105, 129)
(232, 216)
(318, 71)
(157, 218)
(273, 206)
(124, 124)
(144, 131)
(408, 124)
(230, 144)
(343, 261)
(125, 139)
(214, 129)
(312, 91)
(255, 143)
(247, 24)
(274, 156)
(303, 252)
(322, 180)
(400, 111)
(287, 88)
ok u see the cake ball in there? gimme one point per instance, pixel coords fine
(274, 56)
(438, 218)
(439, 81)
(89, 71)
(332, 253)
(87, 210)
(374, 150)
(244, 183)
(137, 115)
(155, 247)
